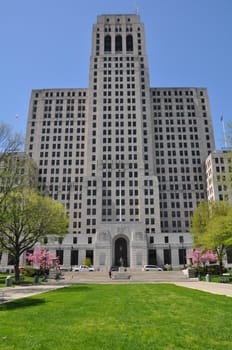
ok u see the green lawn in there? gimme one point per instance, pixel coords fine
(110, 317)
(25, 279)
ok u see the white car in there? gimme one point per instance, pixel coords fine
(152, 268)
(83, 268)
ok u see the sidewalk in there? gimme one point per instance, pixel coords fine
(210, 287)
(12, 293)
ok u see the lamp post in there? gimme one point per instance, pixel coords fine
(60, 241)
(71, 257)
(170, 256)
(44, 264)
(183, 253)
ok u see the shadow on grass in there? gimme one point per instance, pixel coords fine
(21, 303)
(75, 288)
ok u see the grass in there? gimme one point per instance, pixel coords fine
(113, 317)
(24, 279)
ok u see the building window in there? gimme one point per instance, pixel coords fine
(74, 257)
(60, 255)
(167, 257)
(89, 255)
(129, 43)
(152, 257)
(182, 256)
(107, 43)
(118, 43)
(166, 240)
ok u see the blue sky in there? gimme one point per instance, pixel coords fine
(189, 44)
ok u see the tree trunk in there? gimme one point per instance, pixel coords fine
(16, 270)
(220, 267)
(220, 254)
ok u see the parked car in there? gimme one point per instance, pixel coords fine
(152, 268)
(114, 268)
(164, 267)
(83, 268)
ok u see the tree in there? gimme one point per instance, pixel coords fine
(43, 258)
(212, 227)
(16, 169)
(16, 172)
(218, 235)
(27, 217)
(199, 223)
(201, 258)
(9, 143)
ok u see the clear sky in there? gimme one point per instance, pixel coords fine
(47, 44)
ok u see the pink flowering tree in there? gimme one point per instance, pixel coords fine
(43, 258)
(201, 258)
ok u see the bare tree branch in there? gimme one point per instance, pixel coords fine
(9, 142)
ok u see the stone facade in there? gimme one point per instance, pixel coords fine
(218, 175)
(127, 160)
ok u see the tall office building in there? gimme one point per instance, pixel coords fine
(127, 160)
(218, 175)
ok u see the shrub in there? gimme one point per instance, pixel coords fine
(87, 262)
(31, 272)
(213, 269)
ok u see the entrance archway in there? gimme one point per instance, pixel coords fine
(121, 256)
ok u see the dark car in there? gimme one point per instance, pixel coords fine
(114, 268)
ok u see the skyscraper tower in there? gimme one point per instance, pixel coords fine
(127, 160)
(119, 157)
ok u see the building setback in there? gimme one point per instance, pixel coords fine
(218, 175)
(126, 159)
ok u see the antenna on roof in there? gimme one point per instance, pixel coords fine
(136, 7)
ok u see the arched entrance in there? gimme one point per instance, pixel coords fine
(121, 256)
